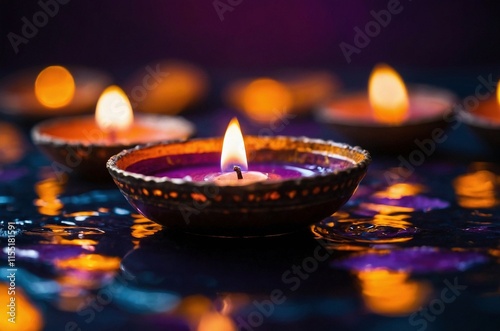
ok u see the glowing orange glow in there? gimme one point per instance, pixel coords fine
(477, 189)
(233, 148)
(498, 93)
(391, 293)
(265, 100)
(90, 262)
(54, 87)
(26, 317)
(216, 321)
(193, 307)
(12, 144)
(114, 111)
(48, 191)
(388, 95)
(397, 191)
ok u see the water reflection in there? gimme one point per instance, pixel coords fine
(48, 191)
(479, 188)
(392, 293)
(27, 316)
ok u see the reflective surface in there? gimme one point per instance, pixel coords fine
(409, 251)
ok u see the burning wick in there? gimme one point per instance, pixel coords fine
(238, 172)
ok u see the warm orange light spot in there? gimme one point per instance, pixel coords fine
(477, 189)
(391, 293)
(233, 148)
(48, 191)
(26, 316)
(90, 262)
(114, 111)
(216, 321)
(498, 93)
(265, 100)
(388, 95)
(54, 87)
(397, 191)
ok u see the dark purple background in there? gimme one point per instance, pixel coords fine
(257, 34)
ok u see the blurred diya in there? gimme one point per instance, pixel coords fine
(391, 117)
(167, 87)
(53, 91)
(265, 99)
(484, 119)
(290, 183)
(83, 144)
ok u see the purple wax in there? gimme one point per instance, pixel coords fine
(197, 167)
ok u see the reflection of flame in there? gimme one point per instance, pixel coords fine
(114, 111)
(54, 87)
(90, 262)
(397, 191)
(391, 293)
(27, 316)
(264, 99)
(233, 148)
(48, 190)
(388, 95)
(477, 189)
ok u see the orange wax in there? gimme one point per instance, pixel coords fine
(146, 128)
(355, 109)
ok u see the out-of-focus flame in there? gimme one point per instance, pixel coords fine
(391, 293)
(90, 262)
(233, 148)
(265, 100)
(498, 93)
(216, 321)
(54, 87)
(114, 111)
(388, 95)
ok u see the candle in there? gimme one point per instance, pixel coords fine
(390, 117)
(234, 166)
(168, 184)
(484, 119)
(84, 143)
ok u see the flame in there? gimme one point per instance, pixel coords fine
(233, 148)
(54, 87)
(114, 111)
(265, 100)
(498, 92)
(388, 95)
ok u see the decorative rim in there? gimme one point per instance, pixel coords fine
(324, 116)
(40, 138)
(357, 165)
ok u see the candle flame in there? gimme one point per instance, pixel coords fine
(113, 110)
(498, 92)
(54, 87)
(388, 95)
(233, 148)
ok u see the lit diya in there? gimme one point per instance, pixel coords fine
(53, 91)
(288, 184)
(83, 144)
(484, 118)
(267, 99)
(391, 117)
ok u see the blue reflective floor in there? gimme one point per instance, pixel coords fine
(414, 250)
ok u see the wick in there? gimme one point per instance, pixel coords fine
(238, 172)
